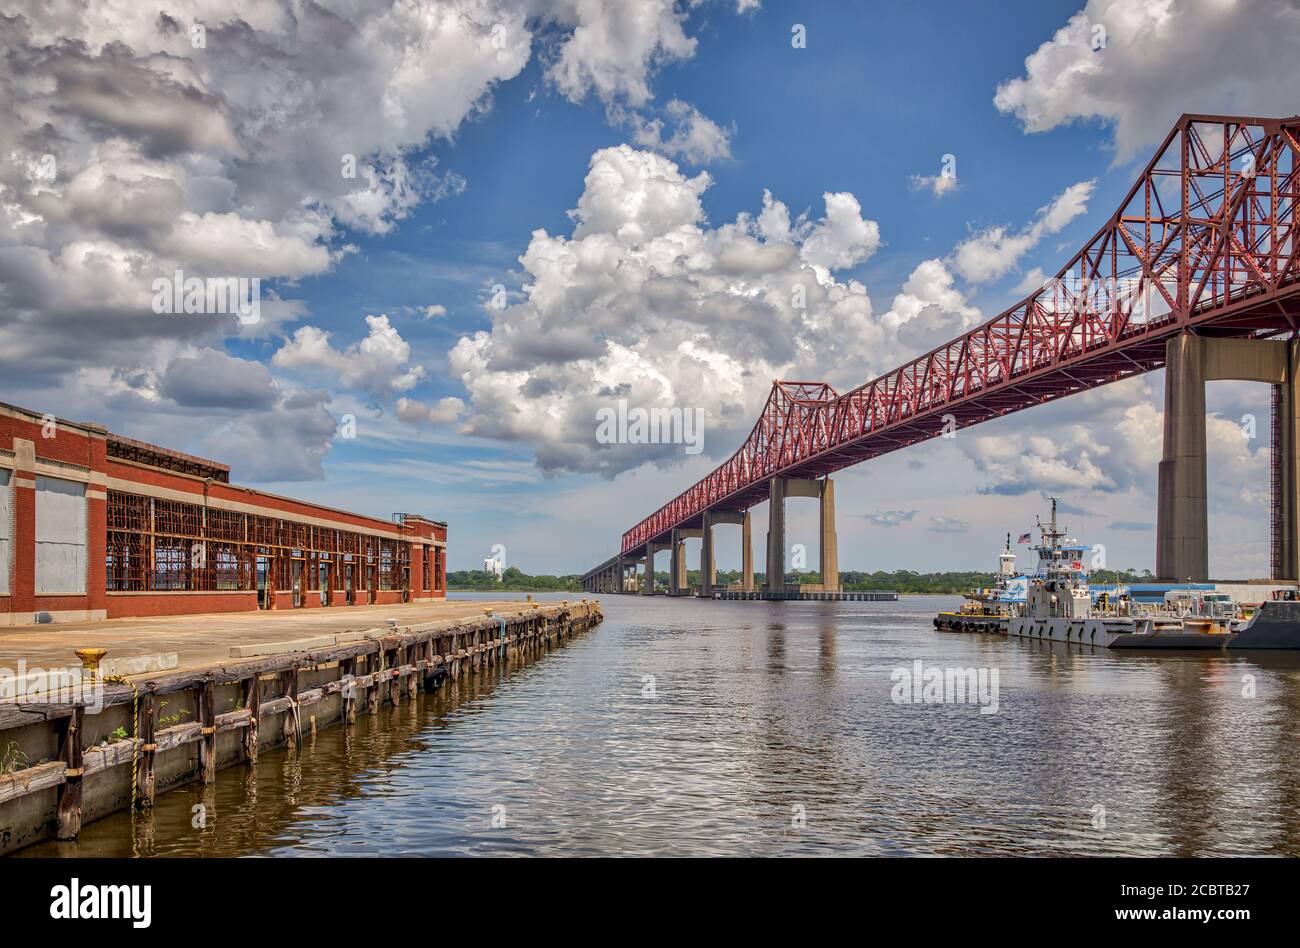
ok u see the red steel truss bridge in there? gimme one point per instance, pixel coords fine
(1205, 240)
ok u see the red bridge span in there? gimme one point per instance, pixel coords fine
(1197, 271)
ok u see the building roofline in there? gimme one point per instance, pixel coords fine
(95, 430)
(215, 469)
(243, 489)
(40, 417)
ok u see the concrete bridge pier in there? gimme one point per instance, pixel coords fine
(677, 585)
(774, 581)
(708, 561)
(1182, 522)
(828, 543)
(708, 565)
(648, 588)
(747, 552)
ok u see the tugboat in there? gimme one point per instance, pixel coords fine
(988, 609)
(1058, 608)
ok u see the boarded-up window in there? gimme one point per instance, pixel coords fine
(6, 528)
(60, 536)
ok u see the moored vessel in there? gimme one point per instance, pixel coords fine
(988, 608)
(1059, 608)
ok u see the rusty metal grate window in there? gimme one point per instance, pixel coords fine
(177, 519)
(171, 572)
(226, 525)
(230, 566)
(128, 512)
(127, 561)
(162, 545)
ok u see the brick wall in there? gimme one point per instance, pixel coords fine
(32, 444)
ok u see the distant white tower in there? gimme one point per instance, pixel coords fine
(495, 566)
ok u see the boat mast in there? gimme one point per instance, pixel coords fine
(1051, 531)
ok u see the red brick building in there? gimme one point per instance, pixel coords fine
(93, 526)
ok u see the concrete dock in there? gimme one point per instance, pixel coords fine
(200, 640)
(211, 691)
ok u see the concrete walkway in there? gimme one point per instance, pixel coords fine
(207, 639)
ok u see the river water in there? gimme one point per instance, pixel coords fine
(684, 727)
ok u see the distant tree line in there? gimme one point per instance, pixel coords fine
(512, 579)
(903, 581)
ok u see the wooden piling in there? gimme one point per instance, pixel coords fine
(146, 784)
(395, 680)
(253, 703)
(71, 753)
(292, 722)
(372, 689)
(208, 733)
(348, 670)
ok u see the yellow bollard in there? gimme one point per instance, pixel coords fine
(90, 659)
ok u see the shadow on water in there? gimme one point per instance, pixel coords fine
(255, 809)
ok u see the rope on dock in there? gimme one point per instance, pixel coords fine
(135, 748)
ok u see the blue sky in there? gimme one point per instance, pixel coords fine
(857, 111)
(878, 96)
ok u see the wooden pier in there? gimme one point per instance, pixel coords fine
(64, 763)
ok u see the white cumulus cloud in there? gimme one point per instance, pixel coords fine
(647, 302)
(379, 364)
(1139, 64)
(444, 411)
(993, 253)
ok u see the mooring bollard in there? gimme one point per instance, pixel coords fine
(90, 659)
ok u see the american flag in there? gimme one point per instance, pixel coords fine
(1025, 538)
